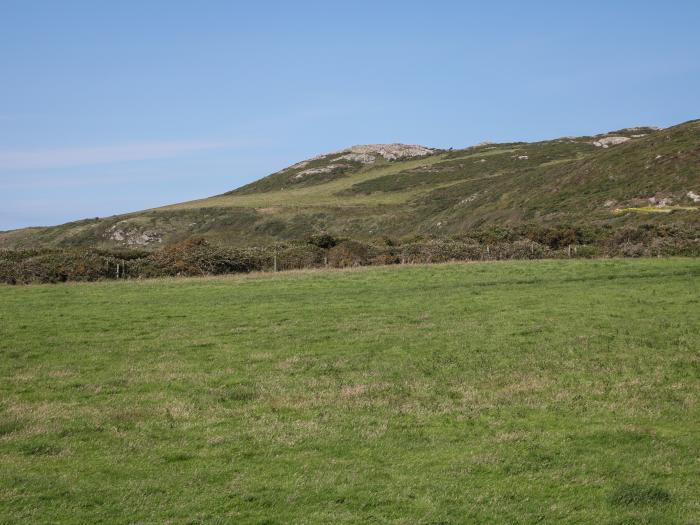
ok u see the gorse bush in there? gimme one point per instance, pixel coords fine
(560, 236)
(440, 250)
(198, 256)
(322, 240)
(352, 253)
(57, 266)
(296, 256)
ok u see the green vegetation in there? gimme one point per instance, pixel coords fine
(650, 209)
(567, 181)
(514, 392)
(198, 257)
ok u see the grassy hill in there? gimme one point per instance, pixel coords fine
(518, 392)
(624, 177)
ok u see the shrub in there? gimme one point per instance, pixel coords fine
(494, 235)
(322, 240)
(440, 250)
(196, 256)
(351, 253)
(52, 267)
(8, 272)
(298, 256)
(587, 251)
(555, 237)
(519, 250)
(386, 255)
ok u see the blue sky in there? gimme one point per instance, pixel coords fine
(110, 107)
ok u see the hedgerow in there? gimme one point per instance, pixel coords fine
(197, 256)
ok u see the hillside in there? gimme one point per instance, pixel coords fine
(619, 178)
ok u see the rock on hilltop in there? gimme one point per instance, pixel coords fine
(388, 151)
(368, 153)
(329, 166)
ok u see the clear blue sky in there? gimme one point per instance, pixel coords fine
(110, 107)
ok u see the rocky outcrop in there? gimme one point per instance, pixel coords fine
(606, 142)
(368, 154)
(364, 154)
(660, 202)
(389, 151)
(132, 236)
(364, 158)
(316, 171)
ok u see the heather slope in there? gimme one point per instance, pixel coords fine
(629, 176)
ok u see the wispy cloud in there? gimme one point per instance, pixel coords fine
(68, 157)
(46, 180)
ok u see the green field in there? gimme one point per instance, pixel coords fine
(523, 392)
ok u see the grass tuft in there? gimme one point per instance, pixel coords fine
(636, 494)
(10, 425)
(40, 448)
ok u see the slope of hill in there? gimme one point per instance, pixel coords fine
(624, 177)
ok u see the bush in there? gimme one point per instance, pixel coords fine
(386, 255)
(519, 250)
(322, 240)
(8, 273)
(196, 256)
(587, 251)
(55, 266)
(557, 236)
(351, 253)
(440, 250)
(298, 256)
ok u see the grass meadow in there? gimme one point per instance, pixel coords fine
(515, 392)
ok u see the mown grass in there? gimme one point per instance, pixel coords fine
(524, 392)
